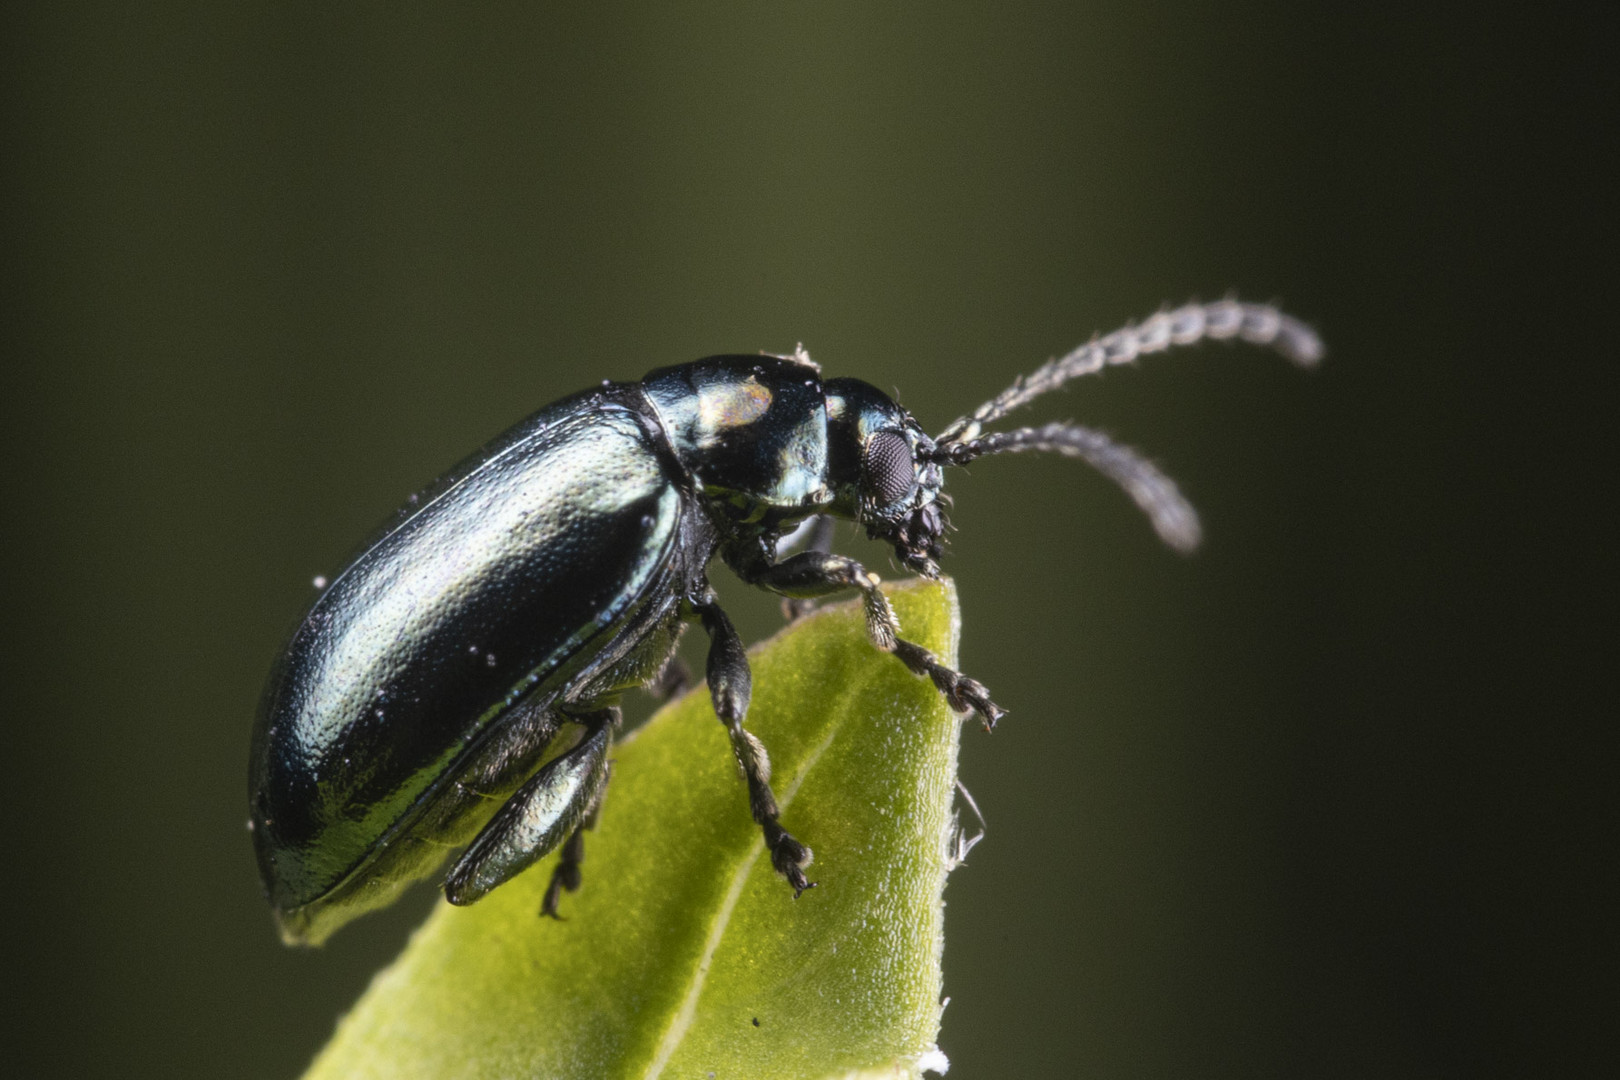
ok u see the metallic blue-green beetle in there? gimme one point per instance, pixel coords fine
(556, 568)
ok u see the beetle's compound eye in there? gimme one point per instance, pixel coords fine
(888, 467)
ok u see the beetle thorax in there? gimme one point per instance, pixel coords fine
(749, 431)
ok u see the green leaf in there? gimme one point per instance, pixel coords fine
(685, 954)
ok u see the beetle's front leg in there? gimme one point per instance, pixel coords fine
(814, 573)
(816, 534)
(810, 574)
(731, 686)
(963, 693)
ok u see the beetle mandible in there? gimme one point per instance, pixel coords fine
(557, 567)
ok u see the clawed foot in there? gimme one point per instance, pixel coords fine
(789, 858)
(963, 694)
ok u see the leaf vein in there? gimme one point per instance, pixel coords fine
(683, 1016)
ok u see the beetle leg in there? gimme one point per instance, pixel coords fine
(544, 811)
(818, 573)
(963, 693)
(816, 534)
(566, 873)
(811, 574)
(731, 686)
(521, 740)
(673, 681)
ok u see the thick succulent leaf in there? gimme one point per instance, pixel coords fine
(685, 954)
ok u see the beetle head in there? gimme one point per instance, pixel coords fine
(884, 474)
(887, 473)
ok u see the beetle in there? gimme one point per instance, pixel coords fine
(411, 712)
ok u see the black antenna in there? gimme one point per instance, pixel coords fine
(1173, 517)
(1258, 324)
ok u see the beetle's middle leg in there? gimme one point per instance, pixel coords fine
(731, 686)
(813, 573)
(675, 680)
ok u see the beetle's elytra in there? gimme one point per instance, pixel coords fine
(557, 567)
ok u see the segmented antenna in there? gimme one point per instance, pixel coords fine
(1173, 517)
(1258, 324)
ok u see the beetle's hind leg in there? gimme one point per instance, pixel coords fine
(548, 808)
(566, 875)
(731, 686)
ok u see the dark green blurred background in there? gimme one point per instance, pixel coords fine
(1329, 799)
